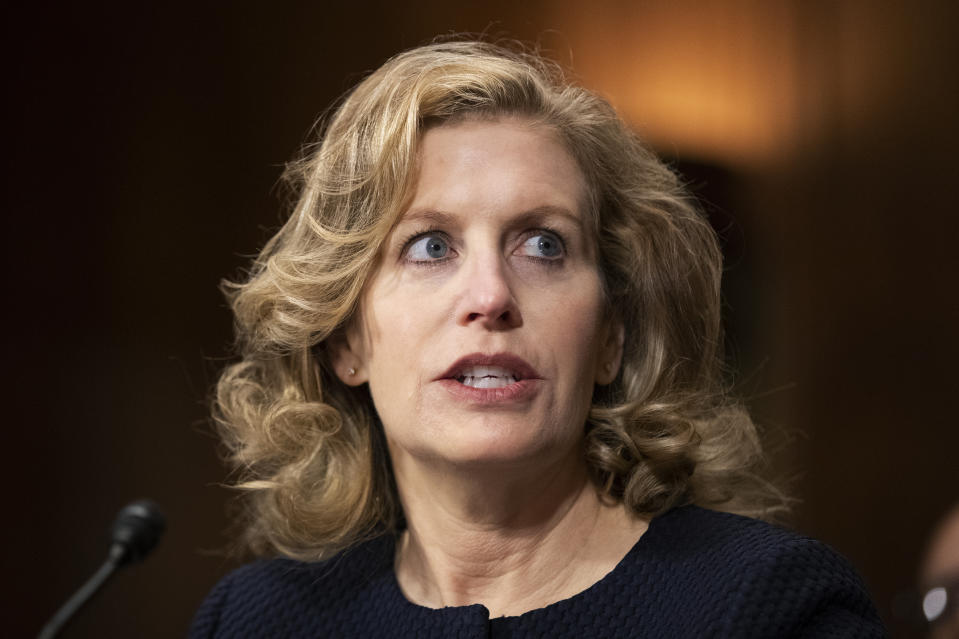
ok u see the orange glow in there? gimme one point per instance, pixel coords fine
(699, 79)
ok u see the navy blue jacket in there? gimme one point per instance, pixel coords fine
(694, 573)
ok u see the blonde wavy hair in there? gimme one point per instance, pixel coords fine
(309, 451)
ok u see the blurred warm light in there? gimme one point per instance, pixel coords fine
(711, 80)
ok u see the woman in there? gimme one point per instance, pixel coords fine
(480, 390)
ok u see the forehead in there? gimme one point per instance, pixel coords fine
(506, 164)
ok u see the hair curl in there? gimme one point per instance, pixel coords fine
(310, 451)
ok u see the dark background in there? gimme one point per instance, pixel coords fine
(142, 149)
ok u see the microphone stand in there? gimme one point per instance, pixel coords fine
(136, 531)
(83, 595)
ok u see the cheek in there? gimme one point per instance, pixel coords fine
(588, 346)
(576, 336)
(587, 314)
(397, 341)
(399, 333)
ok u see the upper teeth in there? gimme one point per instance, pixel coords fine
(486, 377)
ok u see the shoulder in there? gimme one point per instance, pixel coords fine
(692, 531)
(756, 579)
(287, 598)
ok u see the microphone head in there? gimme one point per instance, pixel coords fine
(136, 531)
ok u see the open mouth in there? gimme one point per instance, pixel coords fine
(491, 379)
(498, 370)
(487, 377)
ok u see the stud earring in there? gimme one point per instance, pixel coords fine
(352, 371)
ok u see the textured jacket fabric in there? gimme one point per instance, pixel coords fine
(694, 573)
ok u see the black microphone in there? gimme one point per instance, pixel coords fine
(135, 533)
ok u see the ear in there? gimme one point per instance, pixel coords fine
(346, 357)
(611, 352)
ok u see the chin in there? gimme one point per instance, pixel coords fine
(495, 447)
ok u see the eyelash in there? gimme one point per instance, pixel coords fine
(418, 235)
(556, 261)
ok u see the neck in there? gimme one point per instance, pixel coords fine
(512, 539)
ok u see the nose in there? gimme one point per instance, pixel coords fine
(487, 297)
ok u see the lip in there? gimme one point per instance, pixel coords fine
(508, 361)
(522, 390)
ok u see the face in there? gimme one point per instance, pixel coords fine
(483, 332)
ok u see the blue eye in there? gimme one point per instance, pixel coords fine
(427, 248)
(543, 244)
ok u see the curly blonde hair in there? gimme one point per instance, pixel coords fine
(309, 450)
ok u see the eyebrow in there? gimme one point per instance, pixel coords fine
(440, 218)
(547, 211)
(443, 218)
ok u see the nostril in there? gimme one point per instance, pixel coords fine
(492, 311)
